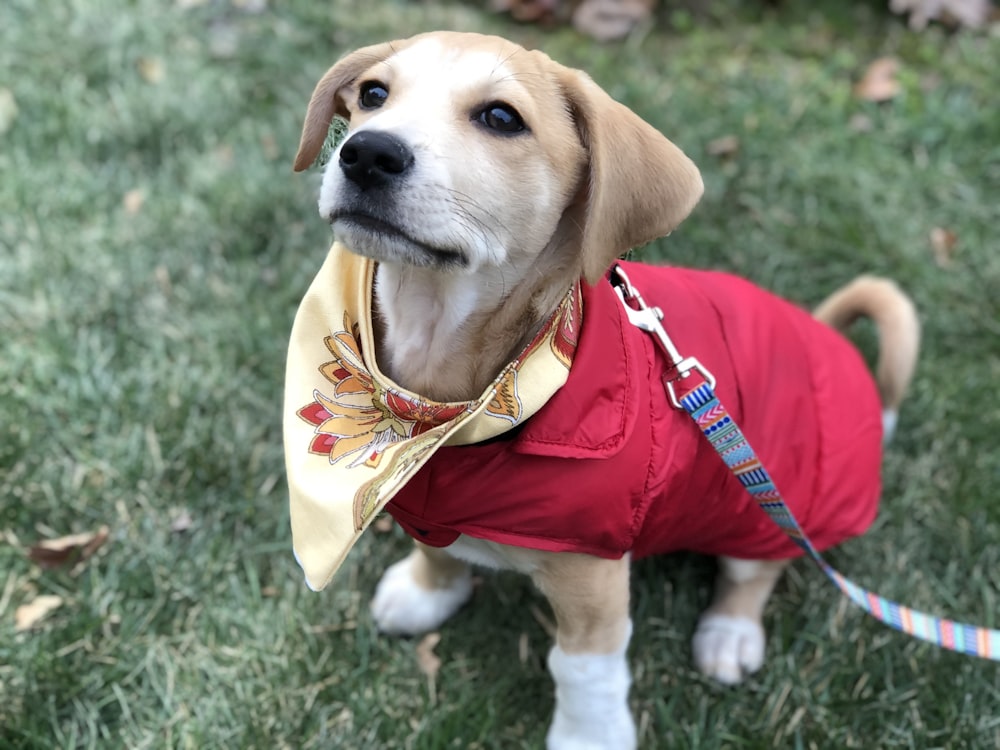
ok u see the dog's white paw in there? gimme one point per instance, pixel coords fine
(402, 607)
(728, 648)
(591, 701)
(609, 730)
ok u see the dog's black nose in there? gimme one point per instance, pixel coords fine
(372, 159)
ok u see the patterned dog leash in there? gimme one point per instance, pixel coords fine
(724, 434)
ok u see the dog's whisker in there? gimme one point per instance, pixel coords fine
(464, 200)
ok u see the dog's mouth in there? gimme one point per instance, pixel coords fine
(383, 241)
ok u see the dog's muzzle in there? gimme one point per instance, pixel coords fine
(371, 159)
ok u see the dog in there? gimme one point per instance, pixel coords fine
(478, 199)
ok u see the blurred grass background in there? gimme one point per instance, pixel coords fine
(154, 244)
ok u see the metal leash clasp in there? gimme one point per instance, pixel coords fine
(650, 319)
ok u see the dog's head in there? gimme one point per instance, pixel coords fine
(465, 151)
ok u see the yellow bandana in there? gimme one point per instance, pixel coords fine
(353, 437)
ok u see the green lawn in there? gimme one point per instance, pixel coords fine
(154, 244)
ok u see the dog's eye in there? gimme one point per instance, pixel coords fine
(501, 117)
(373, 95)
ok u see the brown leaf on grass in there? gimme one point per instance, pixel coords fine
(542, 11)
(943, 242)
(727, 145)
(151, 69)
(606, 20)
(68, 550)
(28, 615)
(879, 83)
(429, 662)
(968, 13)
(132, 201)
(182, 521)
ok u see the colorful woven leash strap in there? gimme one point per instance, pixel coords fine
(724, 434)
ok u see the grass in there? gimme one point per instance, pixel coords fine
(153, 247)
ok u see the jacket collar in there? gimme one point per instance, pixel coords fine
(594, 414)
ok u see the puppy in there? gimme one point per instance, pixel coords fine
(479, 198)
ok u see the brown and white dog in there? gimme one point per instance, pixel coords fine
(486, 180)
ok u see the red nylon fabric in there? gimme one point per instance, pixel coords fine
(608, 466)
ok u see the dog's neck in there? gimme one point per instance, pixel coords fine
(447, 336)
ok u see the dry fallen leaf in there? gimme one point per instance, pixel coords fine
(66, 550)
(27, 615)
(606, 20)
(727, 145)
(543, 11)
(429, 662)
(133, 200)
(969, 13)
(182, 521)
(879, 83)
(151, 69)
(943, 242)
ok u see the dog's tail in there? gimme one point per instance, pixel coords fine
(895, 318)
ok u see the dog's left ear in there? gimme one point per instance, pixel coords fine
(641, 185)
(327, 102)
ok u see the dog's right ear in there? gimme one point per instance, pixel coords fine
(639, 185)
(327, 101)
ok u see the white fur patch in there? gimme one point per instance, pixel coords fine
(738, 570)
(591, 701)
(402, 607)
(492, 555)
(728, 648)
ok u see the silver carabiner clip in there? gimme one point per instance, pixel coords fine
(650, 319)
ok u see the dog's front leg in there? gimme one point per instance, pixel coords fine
(590, 598)
(420, 592)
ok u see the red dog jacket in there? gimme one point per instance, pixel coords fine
(608, 466)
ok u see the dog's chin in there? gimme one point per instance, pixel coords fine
(386, 243)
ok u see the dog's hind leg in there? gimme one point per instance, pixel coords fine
(729, 641)
(590, 598)
(420, 592)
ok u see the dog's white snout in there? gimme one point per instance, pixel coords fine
(373, 159)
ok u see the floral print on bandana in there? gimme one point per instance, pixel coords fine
(361, 419)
